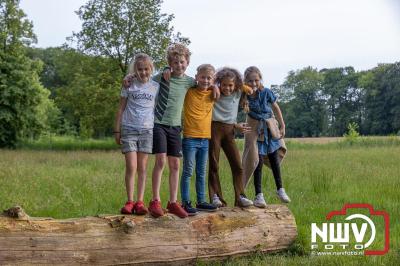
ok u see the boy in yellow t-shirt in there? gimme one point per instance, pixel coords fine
(198, 109)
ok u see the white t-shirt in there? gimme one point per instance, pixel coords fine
(139, 111)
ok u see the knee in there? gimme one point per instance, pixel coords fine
(130, 170)
(160, 162)
(142, 170)
(174, 165)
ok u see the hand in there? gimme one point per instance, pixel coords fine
(283, 131)
(216, 92)
(167, 74)
(250, 92)
(247, 89)
(127, 81)
(243, 128)
(117, 136)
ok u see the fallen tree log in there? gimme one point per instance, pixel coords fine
(120, 239)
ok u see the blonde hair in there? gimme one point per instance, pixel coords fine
(177, 49)
(229, 73)
(244, 102)
(205, 68)
(140, 57)
(251, 70)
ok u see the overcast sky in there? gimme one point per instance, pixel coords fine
(276, 36)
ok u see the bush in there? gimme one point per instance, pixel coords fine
(352, 135)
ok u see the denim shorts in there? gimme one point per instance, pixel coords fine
(140, 140)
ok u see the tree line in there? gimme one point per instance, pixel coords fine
(75, 91)
(324, 102)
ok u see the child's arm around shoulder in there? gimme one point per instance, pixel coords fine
(216, 92)
(247, 89)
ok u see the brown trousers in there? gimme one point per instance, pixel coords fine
(223, 136)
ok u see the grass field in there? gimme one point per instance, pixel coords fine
(318, 177)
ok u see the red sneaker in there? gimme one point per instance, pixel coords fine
(155, 208)
(128, 208)
(140, 209)
(175, 208)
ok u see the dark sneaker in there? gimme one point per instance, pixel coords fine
(155, 208)
(175, 208)
(205, 206)
(187, 205)
(140, 209)
(128, 207)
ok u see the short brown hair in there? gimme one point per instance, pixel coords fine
(176, 50)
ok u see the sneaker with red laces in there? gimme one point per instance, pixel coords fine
(140, 209)
(128, 207)
(155, 208)
(175, 208)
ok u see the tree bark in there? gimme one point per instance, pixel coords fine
(121, 239)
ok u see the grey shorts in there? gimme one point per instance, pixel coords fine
(137, 140)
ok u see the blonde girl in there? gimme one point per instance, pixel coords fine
(134, 129)
(260, 147)
(223, 128)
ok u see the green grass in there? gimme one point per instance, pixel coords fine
(318, 177)
(67, 143)
(71, 143)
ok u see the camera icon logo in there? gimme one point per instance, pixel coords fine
(336, 235)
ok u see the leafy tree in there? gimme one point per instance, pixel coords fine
(305, 113)
(84, 87)
(343, 98)
(118, 29)
(91, 97)
(25, 109)
(382, 108)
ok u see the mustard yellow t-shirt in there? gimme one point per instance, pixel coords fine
(197, 113)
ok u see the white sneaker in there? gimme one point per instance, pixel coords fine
(216, 201)
(282, 195)
(259, 201)
(245, 202)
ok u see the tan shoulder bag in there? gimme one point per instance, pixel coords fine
(273, 127)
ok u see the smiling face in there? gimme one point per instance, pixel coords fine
(204, 79)
(143, 70)
(227, 86)
(178, 65)
(254, 81)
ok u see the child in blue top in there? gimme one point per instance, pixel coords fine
(259, 144)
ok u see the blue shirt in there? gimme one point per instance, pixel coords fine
(260, 109)
(260, 104)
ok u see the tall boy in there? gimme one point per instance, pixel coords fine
(167, 144)
(197, 110)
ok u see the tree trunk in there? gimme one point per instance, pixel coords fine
(135, 239)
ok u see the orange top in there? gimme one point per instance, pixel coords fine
(197, 108)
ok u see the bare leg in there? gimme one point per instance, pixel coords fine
(173, 163)
(159, 165)
(130, 171)
(142, 171)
